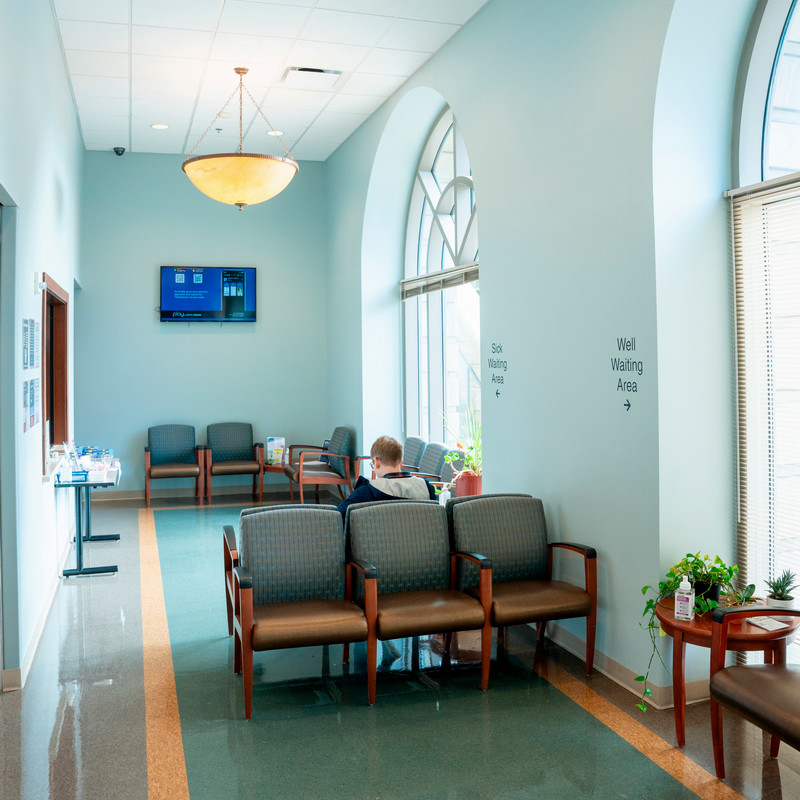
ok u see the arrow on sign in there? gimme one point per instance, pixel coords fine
(497, 393)
(627, 405)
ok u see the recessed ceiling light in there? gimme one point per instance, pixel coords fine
(274, 133)
(159, 126)
(224, 114)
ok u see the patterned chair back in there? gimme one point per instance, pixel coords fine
(171, 444)
(230, 441)
(508, 528)
(293, 553)
(341, 444)
(412, 451)
(432, 461)
(407, 541)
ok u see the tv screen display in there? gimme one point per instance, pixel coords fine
(208, 294)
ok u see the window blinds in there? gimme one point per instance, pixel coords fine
(765, 225)
(439, 279)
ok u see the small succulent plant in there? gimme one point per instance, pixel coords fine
(781, 587)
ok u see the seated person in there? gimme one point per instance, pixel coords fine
(391, 482)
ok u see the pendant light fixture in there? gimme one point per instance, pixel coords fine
(240, 179)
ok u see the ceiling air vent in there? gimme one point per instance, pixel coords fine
(321, 80)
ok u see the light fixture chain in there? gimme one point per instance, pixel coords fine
(213, 121)
(286, 149)
(241, 86)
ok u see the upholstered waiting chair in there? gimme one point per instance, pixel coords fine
(768, 695)
(412, 452)
(413, 594)
(511, 531)
(305, 466)
(289, 587)
(171, 453)
(230, 451)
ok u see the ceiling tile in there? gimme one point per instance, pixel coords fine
(313, 152)
(92, 86)
(324, 55)
(86, 62)
(102, 121)
(249, 50)
(201, 15)
(427, 37)
(262, 19)
(95, 10)
(297, 99)
(381, 61)
(388, 8)
(341, 121)
(100, 36)
(282, 118)
(170, 42)
(98, 107)
(162, 90)
(355, 103)
(221, 80)
(453, 11)
(379, 85)
(342, 27)
(189, 70)
(103, 140)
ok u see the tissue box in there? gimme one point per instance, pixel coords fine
(276, 447)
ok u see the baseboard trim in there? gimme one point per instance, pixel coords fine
(11, 680)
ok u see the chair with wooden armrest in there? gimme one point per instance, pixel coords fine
(310, 464)
(230, 450)
(172, 452)
(768, 695)
(510, 529)
(414, 592)
(432, 463)
(290, 585)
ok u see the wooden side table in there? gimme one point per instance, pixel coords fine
(741, 636)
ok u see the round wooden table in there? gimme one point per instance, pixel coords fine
(741, 636)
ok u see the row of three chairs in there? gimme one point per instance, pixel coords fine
(294, 577)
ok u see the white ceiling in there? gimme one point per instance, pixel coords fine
(133, 63)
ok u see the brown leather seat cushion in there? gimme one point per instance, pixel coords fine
(175, 471)
(516, 602)
(310, 470)
(234, 467)
(426, 611)
(767, 695)
(307, 622)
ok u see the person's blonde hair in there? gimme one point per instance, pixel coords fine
(387, 449)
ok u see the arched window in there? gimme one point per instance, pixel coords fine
(440, 289)
(781, 151)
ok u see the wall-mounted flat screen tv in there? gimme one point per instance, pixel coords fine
(208, 294)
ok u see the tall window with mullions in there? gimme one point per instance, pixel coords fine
(440, 290)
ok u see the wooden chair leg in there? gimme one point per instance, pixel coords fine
(208, 488)
(591, 630)
(291, 490)
(541, 627)
(372, 667)
(774, 746)
(716, 738)
(345, 653)
(302, 501)
(486, 654)
(146, 489)
(247, 677)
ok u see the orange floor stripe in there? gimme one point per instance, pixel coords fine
(166, 766)
(669, 758)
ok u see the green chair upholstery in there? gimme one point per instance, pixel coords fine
(432, 463)
(768, 695)
(288, 587)
(414, 593)
(412, 452)
(310, 464)
(172, 452)
(230, 450)
(510, 529)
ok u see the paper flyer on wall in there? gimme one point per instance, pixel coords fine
(25, 406)
(36, 399)
(31, 402)
(37, 345)
(25, 348)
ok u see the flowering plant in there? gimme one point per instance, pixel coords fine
(469, 456)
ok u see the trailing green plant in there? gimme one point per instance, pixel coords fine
(704, 569)
(780, 588)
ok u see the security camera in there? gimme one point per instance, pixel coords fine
(119, 150)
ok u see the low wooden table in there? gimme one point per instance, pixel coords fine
(741, 636)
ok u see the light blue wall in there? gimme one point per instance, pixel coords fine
(132, 371)
(40, 155)
(556, 103)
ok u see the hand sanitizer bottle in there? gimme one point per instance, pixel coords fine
(684, 600)
(444, 496)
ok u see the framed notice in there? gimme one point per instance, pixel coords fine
(34, 356)
(25, 347)
(31, 403)
(36, 400)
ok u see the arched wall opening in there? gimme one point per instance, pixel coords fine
(382, 253)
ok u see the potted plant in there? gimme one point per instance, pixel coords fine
(468, 480)
(712, 577)
(780, 590)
